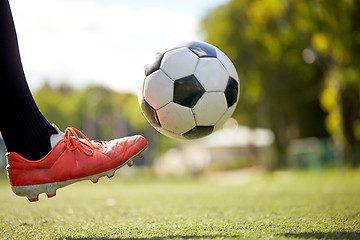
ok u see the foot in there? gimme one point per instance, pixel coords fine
(71, 160)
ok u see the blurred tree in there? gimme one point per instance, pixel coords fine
(56, 105)
(290, 54)
(92, 109)
(100, 113)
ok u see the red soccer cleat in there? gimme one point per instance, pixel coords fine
(71, 160)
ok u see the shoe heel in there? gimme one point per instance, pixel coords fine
(32, 191)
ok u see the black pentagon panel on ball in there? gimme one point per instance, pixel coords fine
(150, 114)
(154, 65)
(202, 49)
(187, 91)
(198, 132)
(231, 91)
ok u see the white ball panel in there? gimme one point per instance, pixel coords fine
(225, 117)
(210, 107)
(170, 134)
(179, 63)
(158, 89)
(176, 118)
(140, 94)
(211, 74)
(229, 66)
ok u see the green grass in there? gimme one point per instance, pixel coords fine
(282, 205)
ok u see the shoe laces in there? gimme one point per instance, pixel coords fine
(73, 142)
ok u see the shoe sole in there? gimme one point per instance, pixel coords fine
(32, 191)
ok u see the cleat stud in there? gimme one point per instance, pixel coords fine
(130, 163)
(51, 195)
(110, 173)
(35, 199)
(141, 154)
(50, 192)
(94, 179)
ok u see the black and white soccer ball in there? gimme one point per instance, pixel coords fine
(189, 91)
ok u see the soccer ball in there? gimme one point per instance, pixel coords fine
(189, 91)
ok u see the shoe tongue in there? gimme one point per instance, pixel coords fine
(55, 138)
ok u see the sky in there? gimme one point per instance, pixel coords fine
(107, 42)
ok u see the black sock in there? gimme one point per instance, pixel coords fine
(23, 128)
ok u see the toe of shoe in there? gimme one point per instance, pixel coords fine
(129, 146)
(135, 143)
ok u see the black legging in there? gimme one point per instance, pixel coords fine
(24, 129)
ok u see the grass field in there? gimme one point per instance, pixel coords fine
(281, 205)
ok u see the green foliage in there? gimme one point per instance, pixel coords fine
(286, 54)
(96, 109)
(100, 113)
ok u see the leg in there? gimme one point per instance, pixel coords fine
(23, 127)
(62, 158)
